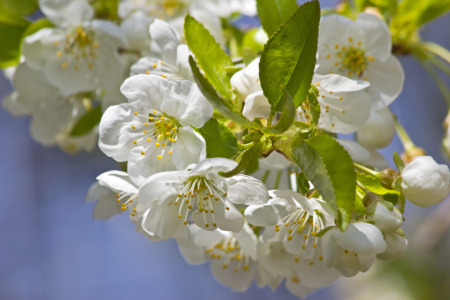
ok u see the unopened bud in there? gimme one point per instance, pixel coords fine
(388, 176)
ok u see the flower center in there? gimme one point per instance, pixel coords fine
(127, 201)
(230, 253)
(304, 223)
(79, 44)
(204, 194)
(353, 60)
(157, 127)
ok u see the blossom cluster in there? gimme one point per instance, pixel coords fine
(193, 125)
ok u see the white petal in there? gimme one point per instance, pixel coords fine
(209, 168)
(152, 65)
(275, 160)
(184, 101)
(397, 246)
(357, 152)
(164, 41)
(135, 28)
(377, 36)
(147, 88)
(238, 281)
(256, 106)
(116, 133)
(117, 181)
(386, 81)
(106, 208)
(378, 131)
(161, 186)
(316, 274)
(189, 148)
(297, 288)
(243, 189)
(343, 112)
(338, 83)
(246, 81)
(66, 13)
(13, 105)
(362, 238)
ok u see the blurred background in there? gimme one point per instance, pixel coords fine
(50, 248)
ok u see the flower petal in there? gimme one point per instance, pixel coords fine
(244, 189)
(189, 148)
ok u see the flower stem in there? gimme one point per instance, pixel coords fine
(365, 169)
(265, 176)
(408, 144)
(277, 180)
(438, 80)
(437, 49)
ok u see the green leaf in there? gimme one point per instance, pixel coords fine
(329, 167)
(246, 159)
(314, 106)
(248, 55)
(106, 9)
(273, 13)
(413, 13)
(398, 161)
(286, 118)
(87, 122)
(20, 7)
(220, 140)
(288, 60)
(250, 41)
(283, 143)
(374, 185)
(223, 106)
(302, 183)
(210, 56)
(38, 25)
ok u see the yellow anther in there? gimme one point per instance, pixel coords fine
(118, 200)
(318, 84)
(157, 144)
(163, 76)
(287, 224)
(245, 267)
(154, 66)
(185, 222)
(350, 39)
(225, 266)
(148, 139)
(303, 246)
(206, 225)
(346, 251)
(180, 216)
(331, 92)
(154, 111)
(142, 153)
(359, 43)
(305, 237)
(296, 259)
(163, 145)
(133, 214)
(135, 142)
(321, 257)
(124, 207)
(162, 63)
(159, 156)
(117, 195)
(314, 245)
(289, 237)
(150, 119)
(343, 111)
(311, 263)
(64, 65)
(59, 53)
(148, 72)
(227, 208)
(190, 207)
(214, 224)
(145, 124)
(371, 58)
(336, 46)
(340, 98)
(170, 152)
(134, 127)
(295, 279)
(328, 56)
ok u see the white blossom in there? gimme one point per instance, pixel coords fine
(378, 131)
(153, 130)
(199, 194)
(353, 250)
(425, 182)
(361, 49)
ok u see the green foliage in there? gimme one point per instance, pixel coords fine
(273, 13)
(288, 60)
(314, 106)
(87, 122)
(106, 9)
(12, 28)
(250, 41)
(330, 169)
(19, 7)
(398, 161)
(38, 25)
(209, 55)
(246, 159)
(413, 13)
(224, 107)
(302, 183)
(286, 118)
(373, 184)
(220, 140)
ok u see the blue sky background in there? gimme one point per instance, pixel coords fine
(50, 248)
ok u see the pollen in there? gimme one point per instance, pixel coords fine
(154, 65)
(159, 156)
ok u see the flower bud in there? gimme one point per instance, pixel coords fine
(425, 182)
(396, 246)
(386, 219)
(378, 131)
